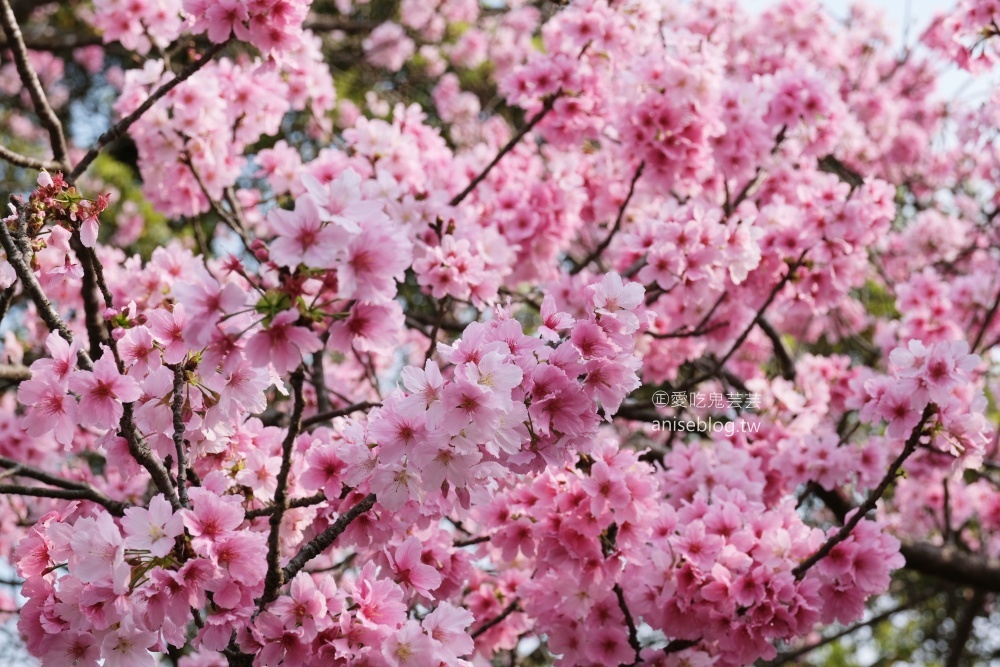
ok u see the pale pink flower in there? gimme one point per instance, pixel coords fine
(153, 529)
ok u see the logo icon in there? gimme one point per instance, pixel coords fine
(661, 399)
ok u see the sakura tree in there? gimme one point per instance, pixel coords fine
(373, 333)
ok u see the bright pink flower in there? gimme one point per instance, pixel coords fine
(102, 393)
(281, 343)
(409, 569)
(303, 237)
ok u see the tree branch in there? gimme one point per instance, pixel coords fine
(19, 160)
(546, 108)
(498, 619)
(141, 452)
(871, 500)
(603, 245)
(340, 412)
(48, 118)
(320, 543)
(785, 363)
(34, 290)
(274, 579)
(115, 507)
(177, 406)
(307, 501)
(633, 634)
(963, 629)
(121, 127)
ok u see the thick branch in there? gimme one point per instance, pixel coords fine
(603, 245)
(717, 366)
(871, 500)
(180, 445)
(963, 630)
(273, 580)
(874, 620)
(115, 507)
(19, 160)
(93, 313)
(121, 127)
(546, 108)
(46, 115)
(340, 412)
(320, 543)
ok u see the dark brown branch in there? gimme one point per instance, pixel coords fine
(274, 578)
(633, 633)
(986, 323)
(180, 444)
(953, 565)
(320, 543)
(498, 619)
(141, 452)
(963, 630)
(469, 542)
(785, 364)
(546, 108)
(603, 245)
(48, 118)
(871, 500)
(308, 501)
(121, 127)
(718, 365)
(115, 507)
(340, 412)
(792, 656)
(97, 332)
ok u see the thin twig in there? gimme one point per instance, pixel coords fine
(121, 127)
(603, 245)
(320, 543)
(340, 412)
(874, 620)
(308, 501)
(963, 629)
(48, 118)
(986, 323)
(498, 619)
(871, 500)
(273, 580)
(115, 507)
(546, 108)
(34, 290)
(785, 363)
